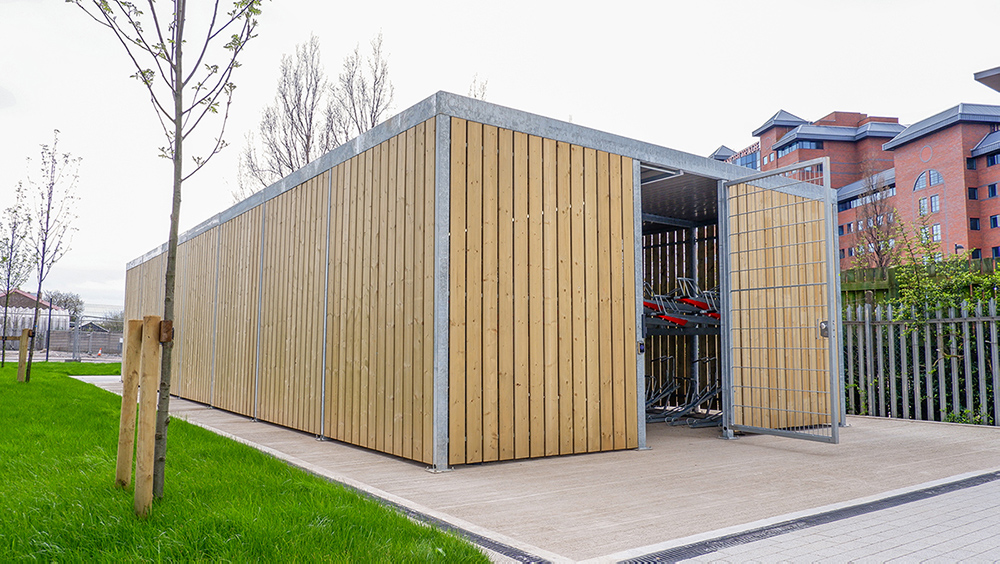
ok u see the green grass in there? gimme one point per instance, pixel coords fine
(223, 502)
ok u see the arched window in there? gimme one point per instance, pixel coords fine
(927, 178)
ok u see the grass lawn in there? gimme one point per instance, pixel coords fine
(224, 501)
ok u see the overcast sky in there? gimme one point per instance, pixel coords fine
(687, 75)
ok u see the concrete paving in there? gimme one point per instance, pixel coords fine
(690, 488)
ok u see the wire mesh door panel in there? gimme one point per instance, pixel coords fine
(782, 371)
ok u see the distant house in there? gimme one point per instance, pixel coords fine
(91, 327)
(21, 312)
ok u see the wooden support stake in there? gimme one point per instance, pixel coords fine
(130, 389)
(149, 379)
(22, 355)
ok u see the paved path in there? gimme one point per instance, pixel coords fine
(692, 496)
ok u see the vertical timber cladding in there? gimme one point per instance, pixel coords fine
(236, 328)
(778, 296)
(144, 284)
(380, 313)
(194, 316)
(542, 297)
(291, 337)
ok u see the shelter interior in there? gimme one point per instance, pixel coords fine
(681, 310)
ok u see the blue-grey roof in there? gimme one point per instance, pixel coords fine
(781, 119)
(722, 153)
(975, 113)
(838, 133)
(989, 144)
(884, 178)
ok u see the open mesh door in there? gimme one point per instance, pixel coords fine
(782, 367)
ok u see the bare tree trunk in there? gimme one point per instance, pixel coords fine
(6, 304)
(163, 407)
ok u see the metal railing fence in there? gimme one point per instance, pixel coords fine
(943, 368)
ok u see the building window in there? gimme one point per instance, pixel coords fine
(974, 223)
(996, 252)
(936, 233)
(928, 178)
(970, 163)
(993, 159)
(840, 230)
(935, 203)
(850, 227)
(850, 252)
(991, 191)
(922, 206)
(973, 193)
(977, 254)
(799, 145)
(842, 253)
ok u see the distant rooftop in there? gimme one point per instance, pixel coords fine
(989, 78)
(839, 133)
(973, 113)
(780, 119)
(722, 153)
(885, 178)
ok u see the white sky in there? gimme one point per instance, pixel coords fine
(688, 75)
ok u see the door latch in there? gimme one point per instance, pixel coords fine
(824, 329)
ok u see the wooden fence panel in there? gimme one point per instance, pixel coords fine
(195, 316)
(236, 328)
(541, 233)
(292, 294)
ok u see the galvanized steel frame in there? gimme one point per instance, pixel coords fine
(774, 180)
(442, 106)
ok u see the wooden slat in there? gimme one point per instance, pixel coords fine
(490, 247)
(580, 303)
(428, 301)
(417, 312)
(408, 249)
(550, 305)
(564, 276)
(536, 337)
(505, 290)
(592, 299)
(629, 305)
(457, 314)
(521, 298)
(376, 268)
(363, 267)
(617, 268)
(474, 289)
(399, 399)
(386, 240)
(604, 299)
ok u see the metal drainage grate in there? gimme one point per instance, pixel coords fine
(707, 547)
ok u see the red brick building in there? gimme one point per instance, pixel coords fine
(940, 172)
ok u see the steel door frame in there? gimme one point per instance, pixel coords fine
(826, 195)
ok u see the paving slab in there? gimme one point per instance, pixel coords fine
(690, 486)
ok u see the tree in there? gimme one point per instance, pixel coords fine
(296, 128)
(363, 94)
(67, 300)
(477, 89)
(114, 321)
(54, 217)
(16, 258)
(156, 42)
(876, 240)
(310, 116)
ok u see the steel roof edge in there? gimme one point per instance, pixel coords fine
(988, 144)
(471, 109)
(859, 187)
(810, 132)
(981, 113)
